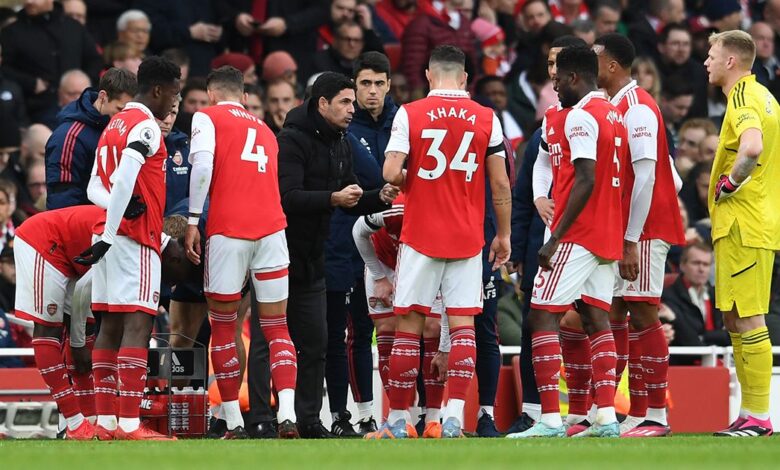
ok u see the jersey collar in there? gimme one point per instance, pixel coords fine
(142, 107)
(232, 103)
(596, 94)
(449, 93)
(620, 94)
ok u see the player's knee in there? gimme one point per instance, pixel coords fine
(572, 320)
(45, 331)
(645, 317)
(743, 325)
(432, 327)
(385, 326)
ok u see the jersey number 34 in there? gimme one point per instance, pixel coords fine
(463, 160)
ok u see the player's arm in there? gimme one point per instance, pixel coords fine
(747, 126)
(397, 150)
(501, 247)
(541, 179)
(202, 146)
(362, 230)
(96, 192)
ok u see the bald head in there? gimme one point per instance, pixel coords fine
(764, 38)
(72, 84)
(34, 142)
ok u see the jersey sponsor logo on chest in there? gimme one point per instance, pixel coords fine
(445, 112)
(556, 153)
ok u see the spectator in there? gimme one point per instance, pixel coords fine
(567, 11)
(646, 75)
(585, 30)
(122, 56)
(7, 341)
(280, 65)
(644, 31)
(134, 27)
(194, 97)
(254, 101)
(708, 146)
(348, 41)
(676, 101)
(772, 17)
(41, 32)
(674, 47)
(694, 192)
(34, 143)
(692, 132)
(7, 278)
(279, 100)
(242, 62)
(438, 23)
(492, 47)
(180, 58)
(342, 11)
(311, 146)
(692, 299)
(36, 186)
(724, 15)
(72, 84)
(510, 310)
(536, 19)
(102, 18)
(177, 167)
(396, 14)
(606, 17)
(7, 207)
(70, 152)
(13, 113)
(399, 88)
(766, 67)
(76, 9)
(494, 89)
(536, 15)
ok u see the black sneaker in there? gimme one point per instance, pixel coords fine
(522, 423)
(486, 427)
(288, 430)
(365, 427)
(420, 426)
(341, 427)
(236, 433)
(217, 428)
(314, 431)
(262, 430)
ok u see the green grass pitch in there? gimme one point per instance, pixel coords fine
(482, 454)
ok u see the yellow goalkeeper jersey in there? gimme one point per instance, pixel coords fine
(756, 206)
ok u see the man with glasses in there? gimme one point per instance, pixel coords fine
(348, 41)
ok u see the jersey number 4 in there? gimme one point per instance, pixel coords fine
(462, 161)
(254, 153)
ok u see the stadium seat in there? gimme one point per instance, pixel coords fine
(393, 52)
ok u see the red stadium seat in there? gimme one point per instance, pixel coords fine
(393, 52)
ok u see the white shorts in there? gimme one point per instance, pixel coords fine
(577, 274)
(43, 293)
(652, 267)
(380, 310)
(419, 279)
(228, 260)
(127, 279)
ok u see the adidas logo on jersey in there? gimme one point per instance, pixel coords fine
(468, 362)
(412, 373)
(108, 380)
(552, 131)
(231, 363)
(284, 353)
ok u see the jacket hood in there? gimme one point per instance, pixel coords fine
(82, 110)
(363, 117)
(306, 119)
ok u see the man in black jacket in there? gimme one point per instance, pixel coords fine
(315, 176)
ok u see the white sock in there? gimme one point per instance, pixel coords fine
(743, 413)
(606, 415)
(396, 415)
(232, 414)
(75, 421)
(91, 419)
(572, 419)
(129, 424)
(415, 412)
(657, 414)
(534, 410)
(333, 416)
(286, 406)
(454, 409)
(552, 420)
(107, 421)
(485, 410)
(365, 410)
(433, 415)
(592, 413)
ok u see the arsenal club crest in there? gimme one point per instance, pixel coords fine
(177, 158)
(156, 297)
(51, 309)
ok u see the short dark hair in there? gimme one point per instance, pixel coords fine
(552, 31)
(676, 86)
(580, 60)
(330, 84)
(347, 24)
(254, 90)
(117, 82)
(372, 60)
(227, 78)
(568, 40)
(610, 4)
(530, 2)
(479, 87)
(194, 83)
(619, 48)
(667, 31)
(177, 56)
(447, 54)
(156, 70)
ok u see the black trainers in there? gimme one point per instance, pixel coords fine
(236, 433)
(367, 426)
(314, 431)
(217, 428)
(288, 430)
(486, 427)
(522, 423)
(262, 430)
(341, 427)
(420, 426)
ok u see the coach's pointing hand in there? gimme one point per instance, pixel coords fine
(192, 244)
(629, 265)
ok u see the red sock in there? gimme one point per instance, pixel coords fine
(434, 390)
(620, 333)
(636, 379)
(224, 357)
(402, 377)
(546, 357)
(132, 379)
(575, 347)
(462, 360)
(48, 359)
(83, 387)
(602, 347)
(104, 372)
(655, 364)
(284, 361)
(384, 346)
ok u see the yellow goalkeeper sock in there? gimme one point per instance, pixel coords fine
(736, 344)
(757, 371)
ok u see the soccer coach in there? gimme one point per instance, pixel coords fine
(315, 176)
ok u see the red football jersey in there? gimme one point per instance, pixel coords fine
(62, 234)
(244, 200)
(386, 239)
(447, 138)
(591, 129)
(647, 139)
(136, 123)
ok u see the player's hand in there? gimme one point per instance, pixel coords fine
(546, 209)
(192, 244)
(500, 250)
(726, 187)
(383, 292)
(389, 193)
(82, 359)
(629, 265)
(41, 85)
(92, 254)
(244, 24)
(135, 208)
(439, 366)
(546, 252)
(668, 332)
(363, 16)
(347, 197)
(273, 27)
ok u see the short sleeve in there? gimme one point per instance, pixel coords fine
(642, 126)
(399, 136)
(147, 134)
(496, 142)
(582, 132)
(203, 135)
(747, 114)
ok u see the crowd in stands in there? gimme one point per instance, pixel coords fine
(55, 56)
